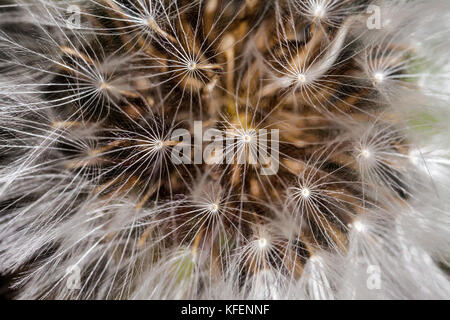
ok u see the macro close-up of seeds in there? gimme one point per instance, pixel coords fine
(224, 149)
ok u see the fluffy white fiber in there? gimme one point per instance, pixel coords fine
(92, 206)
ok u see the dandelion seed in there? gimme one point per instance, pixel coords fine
(305, 192)
(192, 66)
(319, 11)
(379, 77)
(301, 78)
(365, 153)
(262, 243)
(359, 226)
(214, 208)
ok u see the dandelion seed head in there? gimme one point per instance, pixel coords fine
(366, 153)
(319, 11)
(247, 138)
(192, 66)
(213, 208)
(102, 159)
(359, 226)
(301, 78)
(379, 77)
(159, 144)
(148, 21)
(262, 243)
(315, 259)
(305, 192)
(104, 86)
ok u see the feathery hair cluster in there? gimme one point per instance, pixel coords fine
(93, 93)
